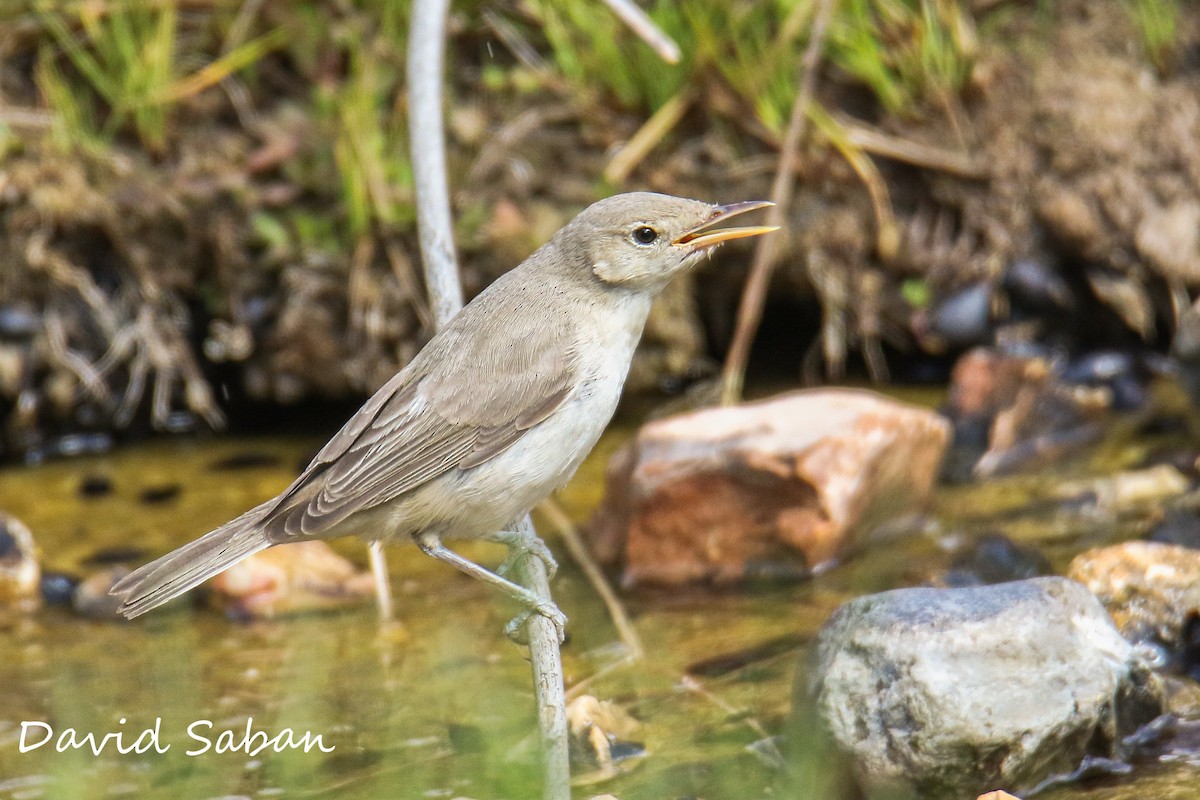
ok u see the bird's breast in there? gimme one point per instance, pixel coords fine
(477, 500)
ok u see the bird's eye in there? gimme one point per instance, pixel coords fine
(645, 235)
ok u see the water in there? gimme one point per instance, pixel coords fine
(440, 705)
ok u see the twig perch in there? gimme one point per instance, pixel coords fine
(755, 294)
(427, 35)
(426, 53)
(547, 677)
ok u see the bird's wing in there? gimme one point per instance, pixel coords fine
(464, 400)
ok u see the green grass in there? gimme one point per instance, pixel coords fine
(913, 55)
(120, 68)
(128, 68)
(1157, 23)
(126, 55)
(370, 148)
(603, 61)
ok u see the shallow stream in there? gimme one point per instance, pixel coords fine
(440, 704)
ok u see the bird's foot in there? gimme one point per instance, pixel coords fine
(515, 629)
(431, 544)
(521, 544)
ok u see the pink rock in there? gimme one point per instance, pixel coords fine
(774, 487)
(1029, 413)
(290, 579)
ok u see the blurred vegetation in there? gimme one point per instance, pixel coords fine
(1157, 23)
(127, 71)
(909, 53)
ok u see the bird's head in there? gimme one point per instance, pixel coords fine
(640, 240)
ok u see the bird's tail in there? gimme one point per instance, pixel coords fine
(170, 576)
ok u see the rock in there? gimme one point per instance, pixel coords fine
(1127, 296)
(1152, 590)
(20, 573)
(290, 579)
(91, 597)
(599, 739)
(1126, 491)
(156, 495)
(1038, 286)
(961, 320)
(58, 588)
(777, 487)
(1179, 526)
(1169, 240)
(1012, 410)
(952, 692)
(95, 486)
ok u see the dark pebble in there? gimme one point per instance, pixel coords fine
(246, 460)
(95, 486)
(964, 318)
(1179, 526)
(159, 494)
(1189, 654)
(1121, 372)
(994, 558)
(1037, 286)
(19, 322)
(621, 751)
(9, 549)
(58, 588)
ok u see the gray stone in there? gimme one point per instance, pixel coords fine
(953, 692)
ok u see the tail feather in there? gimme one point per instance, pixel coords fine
(180, 570)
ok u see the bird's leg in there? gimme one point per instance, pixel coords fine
(431, 544)
(521, 541)
(383, 585)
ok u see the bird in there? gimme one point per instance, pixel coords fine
(492, 415)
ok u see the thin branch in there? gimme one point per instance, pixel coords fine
(427, 35)
(426, 52)
(755, 294)
(546, 661)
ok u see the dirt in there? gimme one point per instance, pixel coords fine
(142, 289)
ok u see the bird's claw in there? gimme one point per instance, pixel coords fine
(515, 629)
(519, 548)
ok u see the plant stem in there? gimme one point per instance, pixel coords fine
(425, 56)
(754, 295)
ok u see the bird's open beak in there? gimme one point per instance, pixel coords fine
(704, 235)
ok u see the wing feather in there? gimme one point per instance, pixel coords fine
(470, 394)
